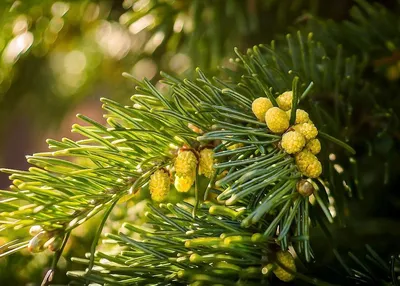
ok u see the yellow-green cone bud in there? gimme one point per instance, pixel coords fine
(308, 164)
(185, 163)
(308, 130)
(159, 185)
(183, 184)
(285, 100)
(260, 107)
(206, 163)
(277, 120)
(314, 146)
(301, 116)
(293, 142)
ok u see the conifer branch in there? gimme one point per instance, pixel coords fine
(76, 180)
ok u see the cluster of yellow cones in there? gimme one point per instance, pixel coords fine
(186, 164)
(299, 139)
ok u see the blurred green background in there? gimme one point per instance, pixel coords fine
(57, 58)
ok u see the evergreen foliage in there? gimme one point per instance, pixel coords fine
(250, 207)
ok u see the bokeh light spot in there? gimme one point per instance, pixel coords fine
(56, 24)
(59, 9)
(179, 63)
(20, 25)
(145, 68)
(154, 42)
(92, 12)
(75, 62)
(17, 46)
(113, 39)
(141, 24)
(139, 5)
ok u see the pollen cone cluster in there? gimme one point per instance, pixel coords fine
(188, 163)
(299, 139)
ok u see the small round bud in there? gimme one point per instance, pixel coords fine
(195, 129)
(206, 163)
(36, 244)
(293, 142)
(286, 259)
(185, 163)
(184, 183)
(303, 158)
(260, 107)
(35, 229)
(308, 164)
(304, 188)
(159, 185)
(314, 146)
(277, 120)
(314, 169)
(307, 129)
(301, 116)
(285, 100)
(54, 243)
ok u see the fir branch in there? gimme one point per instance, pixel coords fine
(181, 258)
(76, 180)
